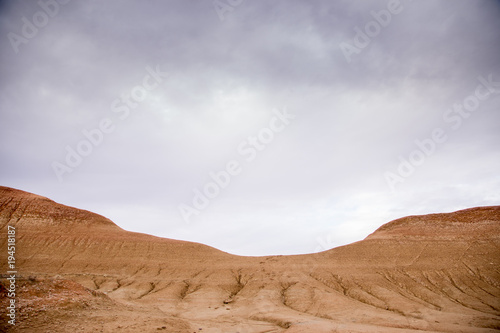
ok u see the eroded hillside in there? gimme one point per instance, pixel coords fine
(434, 273)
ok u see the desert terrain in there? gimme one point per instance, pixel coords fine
(79, 272)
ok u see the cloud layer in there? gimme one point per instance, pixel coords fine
(154, 96)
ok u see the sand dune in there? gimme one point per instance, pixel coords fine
(81, 272)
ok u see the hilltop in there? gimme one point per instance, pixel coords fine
(80, 272)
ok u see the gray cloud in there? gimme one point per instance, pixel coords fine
(319, 181)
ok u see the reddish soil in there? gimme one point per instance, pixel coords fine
(79, 272)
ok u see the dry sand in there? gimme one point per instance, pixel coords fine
(79, 272)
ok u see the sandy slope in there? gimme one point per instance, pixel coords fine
(433, 273)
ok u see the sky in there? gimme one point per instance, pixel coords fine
(256, 127)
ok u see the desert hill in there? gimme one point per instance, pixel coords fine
(81, 272)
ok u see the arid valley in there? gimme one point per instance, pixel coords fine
(241, 166)
(79, 272)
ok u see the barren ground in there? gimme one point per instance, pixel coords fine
(79, 272)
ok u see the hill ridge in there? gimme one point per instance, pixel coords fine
(447, 282)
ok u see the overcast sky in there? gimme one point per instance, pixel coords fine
(321, 120)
